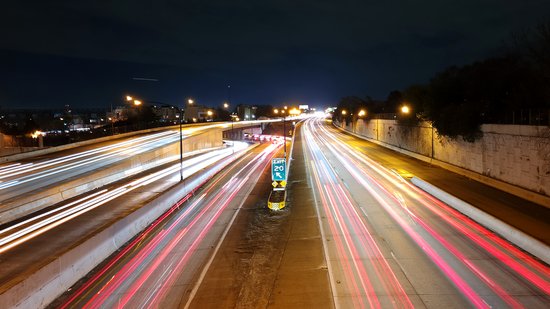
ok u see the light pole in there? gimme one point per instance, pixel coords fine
(284, 131)
(362, 113)
(432, 140)
(276, 112)
(189, 103)
(226, 106)
(181, 144)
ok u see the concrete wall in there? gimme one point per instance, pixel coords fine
(514, 154)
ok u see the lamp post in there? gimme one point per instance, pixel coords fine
(189, 103)
(432, 125)
(226, 106)
(276, 112)
(284, 131)
(181, 144)
(362, 113)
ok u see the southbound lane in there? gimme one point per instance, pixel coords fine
(158, 268)
(28, 245)
(19, 178)
(391, 245)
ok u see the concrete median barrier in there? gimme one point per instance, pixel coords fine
(515, 236)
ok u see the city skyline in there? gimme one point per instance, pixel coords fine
(307, 52)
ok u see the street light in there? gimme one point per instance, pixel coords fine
(189, 103)
(276, 112)
(181, 144)
(362, 113)
(226, 106)
(405, 109)
(294, 111)
(284, 131)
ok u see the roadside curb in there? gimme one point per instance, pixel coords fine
(515, 236)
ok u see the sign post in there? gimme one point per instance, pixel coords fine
(278, 173)
(277, 197)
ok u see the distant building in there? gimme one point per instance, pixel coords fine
(246, 112)
(198, 113)
(167, 113)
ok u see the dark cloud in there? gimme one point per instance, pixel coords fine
(314, 51)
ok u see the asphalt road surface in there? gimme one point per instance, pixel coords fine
(389, 244)
(159, 268)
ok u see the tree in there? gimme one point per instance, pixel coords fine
(533, 46)
(222, 114)
(264, 111)
(351, 105)
(393, 102)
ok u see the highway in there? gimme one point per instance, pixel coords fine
(159, 267)
(386, 243)
(36, 173)
(19, 178)
(27, 245)
(389, 244)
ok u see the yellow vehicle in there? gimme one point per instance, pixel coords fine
(276, 200)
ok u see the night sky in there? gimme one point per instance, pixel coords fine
(89, 54)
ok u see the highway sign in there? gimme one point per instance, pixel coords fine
(278, 169)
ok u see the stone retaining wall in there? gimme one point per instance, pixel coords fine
(514, 154)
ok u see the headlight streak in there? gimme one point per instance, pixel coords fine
(457, 280)
(113, 152)
(344, 221)
(41, 227)
(8, 168)
(125, 250)
(51, 212)
(201, 214)
(225, 196)
(219, 203)
(73, 166)
(34, 166)
(508, 254)
(74, 209)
